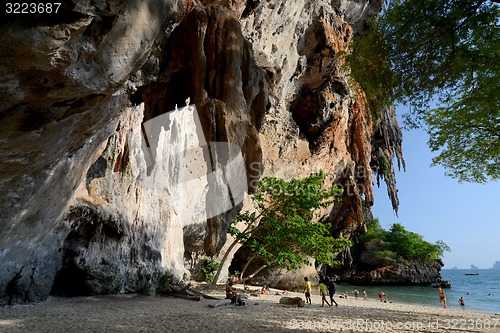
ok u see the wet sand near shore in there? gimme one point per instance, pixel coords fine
(136, 313)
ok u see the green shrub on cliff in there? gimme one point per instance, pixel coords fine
(400, 244)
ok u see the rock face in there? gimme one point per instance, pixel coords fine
(411, 273)
(315, 116)
(79, 87)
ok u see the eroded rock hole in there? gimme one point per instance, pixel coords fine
(70, 280)
(81, 274)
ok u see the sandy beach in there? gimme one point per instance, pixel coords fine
(263, 313)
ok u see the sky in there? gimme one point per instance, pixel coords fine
(466, 216)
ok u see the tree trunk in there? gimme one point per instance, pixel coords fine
(252, 275)
(246, 266)
(184, 296)
(221, 264)
(249, 229)
(189, 293)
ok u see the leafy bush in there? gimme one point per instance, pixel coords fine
(386, 255)
(373, 231)
(165, 283)
(208, 267)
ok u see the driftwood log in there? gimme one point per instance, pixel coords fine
(220, 303)
(190, 294)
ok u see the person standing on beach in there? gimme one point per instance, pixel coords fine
(365, 296)
(442, 296)
(307, 290)
(331, 291)
(356, 293)
(323, 290)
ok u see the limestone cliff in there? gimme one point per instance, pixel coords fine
(79, 87)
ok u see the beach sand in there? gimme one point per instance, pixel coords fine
(263, 313)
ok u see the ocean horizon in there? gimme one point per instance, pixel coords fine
(481, 292)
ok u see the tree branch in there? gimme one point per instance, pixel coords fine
(253, 274)
(246, 265)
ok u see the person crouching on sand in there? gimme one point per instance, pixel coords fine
(232, 295)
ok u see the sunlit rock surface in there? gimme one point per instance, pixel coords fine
(77, 89)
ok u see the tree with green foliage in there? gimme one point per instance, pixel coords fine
(283, 231)
(446, 51)
(400, 244)
(412, 246)
(373, 231)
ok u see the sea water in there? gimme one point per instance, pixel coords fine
(481, 292)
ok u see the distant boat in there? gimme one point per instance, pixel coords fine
(471, 273)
